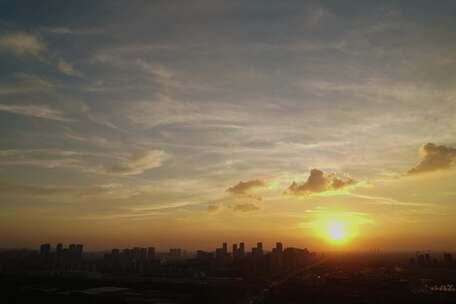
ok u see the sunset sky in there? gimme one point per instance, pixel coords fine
(188, 123)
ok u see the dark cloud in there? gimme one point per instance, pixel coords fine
(243, 187)
(244, 206)
(213, 208)
(434, 157)
(319, 182)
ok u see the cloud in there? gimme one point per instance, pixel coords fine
(434, 157)
(26, 44)
(137, 163)
(39, 111)
(243, 187)
(244, 206)
(238, 205)
(165, 110)
(319, 182)
(44, 163)
(112, 164)
(33, 190)
(67, 68)
(214, 208)
(111, 191)
(314, 16)
(61, 30)
(240, 200)
(22, 44)
(26, 83)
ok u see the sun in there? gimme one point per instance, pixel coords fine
(339, 228)
(336, 231)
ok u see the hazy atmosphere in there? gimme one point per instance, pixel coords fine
(323, 124)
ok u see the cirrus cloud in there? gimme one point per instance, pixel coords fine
(39, 111)
(137, 163)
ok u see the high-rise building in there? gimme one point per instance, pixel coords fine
(235, 251)
(151, 253)
(45, 250)
(175, 252)
(225, 248)
(59, 250)
(259, 248)
(279, 247)
(241, 249)
(79, 249)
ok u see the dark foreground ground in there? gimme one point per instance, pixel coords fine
(337, 278)
(320, 284)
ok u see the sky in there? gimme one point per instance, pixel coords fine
(188, 123)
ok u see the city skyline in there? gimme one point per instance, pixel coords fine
(323, 124)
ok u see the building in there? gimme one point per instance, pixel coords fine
(45, 250)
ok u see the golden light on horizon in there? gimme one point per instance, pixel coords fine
(338, 228)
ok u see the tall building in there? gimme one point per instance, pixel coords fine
(59, 251)
(175, 252)
(45, 249)
(279, 247)
(78, 250)
(225, 248)
(241, 249)
(235, 251)
(259, 248)
(151, 253)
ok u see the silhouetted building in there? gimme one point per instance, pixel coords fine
(241, 249)
(151, 253)
(45, 250)
(235, 251)
(279, 247)
(448, 258)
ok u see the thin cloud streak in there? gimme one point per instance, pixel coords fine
(35, 110)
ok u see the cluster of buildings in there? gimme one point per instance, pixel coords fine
(64, 258)
(236, 260)
(257, 260)
(425, 259)
(129, 260)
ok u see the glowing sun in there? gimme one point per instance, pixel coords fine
(336, 231)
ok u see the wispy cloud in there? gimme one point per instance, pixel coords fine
(67, 68)
(116, 164)
(35, 110)
(62, 30)
(28, 44)
(136, 163)
(26, 83)
(106, 191)
(21, 43)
